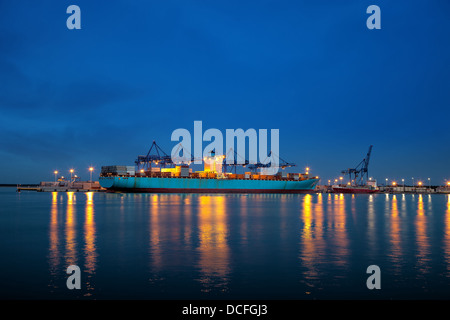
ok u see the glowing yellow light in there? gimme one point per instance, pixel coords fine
(394, 183)
(142, 170)
(91, 169)
(71, 170)
(448, 183)
(420, 183)
(55, 172)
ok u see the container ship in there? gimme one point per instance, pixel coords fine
(213, 179)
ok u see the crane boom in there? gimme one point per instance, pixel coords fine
(359, 175)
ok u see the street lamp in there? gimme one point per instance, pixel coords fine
(91, 169)
(341, 178)
(71, 172)
(56, 173)
(403, 181)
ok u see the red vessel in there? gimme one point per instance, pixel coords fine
(354, 189)
(359, 181)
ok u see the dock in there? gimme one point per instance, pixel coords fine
(63, 186)
(396, 189)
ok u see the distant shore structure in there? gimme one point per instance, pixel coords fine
(61, 184)
(394, 189)
(153, 177)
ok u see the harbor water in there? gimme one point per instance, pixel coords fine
(235, 246)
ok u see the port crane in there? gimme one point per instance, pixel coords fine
(255, 166)
(159, 157)
(282, 164)
(358, 176)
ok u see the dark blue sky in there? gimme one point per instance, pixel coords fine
(137, 70)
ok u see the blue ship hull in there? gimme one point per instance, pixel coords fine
(195, 185)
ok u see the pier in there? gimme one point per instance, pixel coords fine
(63, 186)
(396, 189)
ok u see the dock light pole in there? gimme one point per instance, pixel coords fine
(55, 173)
(91, 169)
(403, 180)
(71, 173)
(341, 178)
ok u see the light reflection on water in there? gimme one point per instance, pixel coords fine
(248, 246)
(213, 249)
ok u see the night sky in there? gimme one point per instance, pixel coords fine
(138, 70)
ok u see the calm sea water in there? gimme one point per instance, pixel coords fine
(176, 246)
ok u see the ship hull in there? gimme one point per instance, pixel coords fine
(353, 190)
(193, 185)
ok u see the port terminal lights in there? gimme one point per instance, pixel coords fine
(91, 169)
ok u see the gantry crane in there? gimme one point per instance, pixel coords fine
(359, 175)
(163, 159)
(160, 158)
